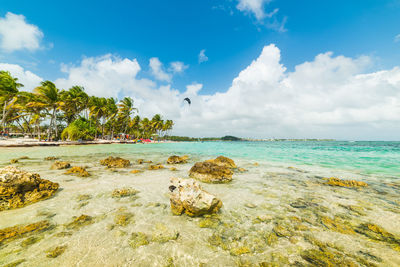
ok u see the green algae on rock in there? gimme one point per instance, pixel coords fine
(51, 158)
(19, 231)
(19, 188)
(138, 239)
(14, 263)
(78, 171)
(124, 192)
(155, 167)
(336, 225)
(55, 252)
(210, 172)
(123, 218)
(116, 162)
(376, 232)
(187, 196)
(60, 165)
(333, 181)
(163, 234)
(224, 162)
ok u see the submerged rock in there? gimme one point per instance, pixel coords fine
(326, 258)
(60, 165)
(15, 263)
(19, 188)
(79, 171)
(163, 234)
(173, 169)
(19, 231)
(345, 183)
(50, 158)
(124, 192)
(210, 172)
(80, 221)
(336, 225)
(187, 196)
(55, 252)
(116, 162)
(136, 171)
(123, 218)
(138, 239)
(14, 161)
(376, 232)
(224, 162)
(177, 160)
(156, 167)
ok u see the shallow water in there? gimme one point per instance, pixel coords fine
(284, 191)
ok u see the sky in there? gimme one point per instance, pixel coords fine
(252, 68)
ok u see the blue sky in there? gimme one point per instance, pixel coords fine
(233, 33)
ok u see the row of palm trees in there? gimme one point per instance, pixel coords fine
(47, 111)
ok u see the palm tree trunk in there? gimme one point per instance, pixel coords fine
(3, 119)
(55, 122)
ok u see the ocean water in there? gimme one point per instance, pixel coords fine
(280, 211)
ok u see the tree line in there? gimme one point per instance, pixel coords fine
(50, 113)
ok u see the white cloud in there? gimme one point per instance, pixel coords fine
(27, 78)
(397, 38)
(157, 70)
(17, 34)
(202, 56)
(327, 97)
(178, 67)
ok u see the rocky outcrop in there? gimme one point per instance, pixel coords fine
(116, 162)
(156, 167)
(78, 171)
(187, 196)
(50, 158)
(210, 172)
(19, 188)
(224, 162)
(345, 183)
(124, 192)
(177, 160)
(60, 165)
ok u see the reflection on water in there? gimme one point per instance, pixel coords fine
(277, 212)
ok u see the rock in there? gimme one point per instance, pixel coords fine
(156, 167)
(50, 158)
(60, 165)
(173, 169)
(19, 231)
(336, 225)
(140, 161)
(79, 171)
(210, 172)
(240, 250)
(209, 223)
(80, 221)
(187, 196)
(116, 162)
(344, 183)
(376, 232)
(224, 162)
(55, 252)
(124, 192)
(250, 205)
(30, 241)
(19, 188)
(123, 218)
(281, 231)
(326, 257)
(177, 160)
(163, 234)
(83, 197)
(13, 161)
(24, 157)
(138, 239)
(242, 170)
(136, 171)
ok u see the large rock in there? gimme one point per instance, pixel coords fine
(210, 172)
(224, 162)
(19, 231)
(19, 188)
(177, 160)
(187, 196)
(116, 162)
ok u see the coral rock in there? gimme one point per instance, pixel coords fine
(135, 171)
(19, 188)
(187, 196)
(210, 172)
(79, 171)
(60, 165)
(57, 251)
(177, 160)
(156, 167)
(345, 183)
(80, 221)
(116, 162)
(124, 192)
(224, 162)
(50, 158)
(19, 231)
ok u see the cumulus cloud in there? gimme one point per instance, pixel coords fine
(202, 56)
(178, 67)
(158, 71)
(17, 34)
(27, 78)
(327, 97)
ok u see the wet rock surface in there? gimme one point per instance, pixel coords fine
(78, 171)
(115, 162)
(19, 188)
(177, 159)
(19, 231)
(60, 165)
(344, 183)
(187, 196)
(210, 172)
(224, 162)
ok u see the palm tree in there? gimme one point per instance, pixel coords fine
(50, 95)
(111, 114)
(8, 93)
(74, 101)
(157, 124)
(168, 125)
(125, 111)
(98, 110)
(145, 127)
(135, 125)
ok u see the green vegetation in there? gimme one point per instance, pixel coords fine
(194, 139)
(50, 113)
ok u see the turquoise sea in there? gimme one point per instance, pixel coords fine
(280, 212)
